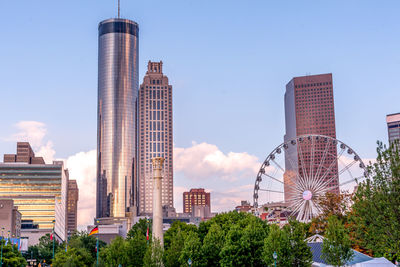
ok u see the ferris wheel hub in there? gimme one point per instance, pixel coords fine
(307, 195)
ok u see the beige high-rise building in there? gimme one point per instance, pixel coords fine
(154, 136)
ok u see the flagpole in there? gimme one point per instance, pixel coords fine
(97, 244)
(147, 232)
(54, 221)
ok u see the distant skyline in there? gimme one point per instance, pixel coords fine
(229, 63)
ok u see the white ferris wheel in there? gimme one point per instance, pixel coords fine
(301, 170)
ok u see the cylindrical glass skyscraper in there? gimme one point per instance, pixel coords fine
(116, 119)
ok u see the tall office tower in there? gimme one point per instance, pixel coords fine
(39, 191)
(393, 124)
(195, 197)
(116, 119)
(72, 206)
(155, 135)
(309, 109)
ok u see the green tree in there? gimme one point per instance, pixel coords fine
(336, 248)
(277, 241)
(174, 229)
(300, 251)
(191, 250)
(44, 249)
(173, 252)
(141, 227)
(83, 241)
(212, 245)
(253, 238)
(11, 255)
(375, 220)
(115, 253)
(231, 253)
(73, 258)
(154, 255)
(136, 249)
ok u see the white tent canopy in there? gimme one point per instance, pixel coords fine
(377, 262)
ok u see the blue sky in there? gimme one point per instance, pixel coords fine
(228, 62)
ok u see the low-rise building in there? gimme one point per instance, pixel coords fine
(195, 197)
(10, 218)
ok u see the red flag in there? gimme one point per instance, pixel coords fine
(51, 236)
(147, 234)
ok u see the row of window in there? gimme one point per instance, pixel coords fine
(312, 84)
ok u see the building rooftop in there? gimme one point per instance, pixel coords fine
(393, 117)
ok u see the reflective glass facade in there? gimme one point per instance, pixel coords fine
(39, 192)
(116, 129)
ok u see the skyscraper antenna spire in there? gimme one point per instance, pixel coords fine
(118, 8)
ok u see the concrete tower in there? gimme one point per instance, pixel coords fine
(116, 119)
(157, 204)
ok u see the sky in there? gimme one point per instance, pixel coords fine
(228, 63)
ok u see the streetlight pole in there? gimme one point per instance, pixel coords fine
(66, 248)
(275, 256)
(2, 241)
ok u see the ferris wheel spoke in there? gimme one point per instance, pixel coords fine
(312, 160)
(349, 172)
(269, 190)
(273, 178)
(301, 210)
(296, 207)
(279, 166)
(316, 206)
(321, 180)
(299, 178)
(328, 189)
(352, 180)
(337, 175)
(322, 159)
(302, 164)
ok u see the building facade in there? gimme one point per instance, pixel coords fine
(195, 197)
(155, 136)
(72, 206)
(10, 218)
(116, 129)
(39, 190)
(393, 124)
(309, 109)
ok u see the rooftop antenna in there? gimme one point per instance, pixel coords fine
(118, 8)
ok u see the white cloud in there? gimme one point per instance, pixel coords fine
(34, 132)
(229, 199)
(204, 161)
(228, 176)
(82, 168)
(30, 131)
(178, 197)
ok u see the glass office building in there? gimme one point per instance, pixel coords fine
(309, 109)
(39, 190)
(116, 129)
(393, 124)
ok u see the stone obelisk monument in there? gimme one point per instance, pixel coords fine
(157, 205)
